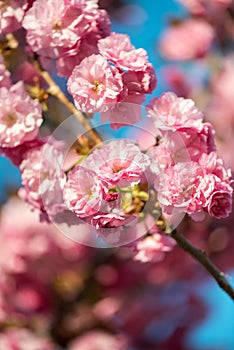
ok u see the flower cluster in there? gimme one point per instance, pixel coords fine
(113, 82)
(55, 293)
(190, 177)
(94, 194)
(20, 116)
(65, 29)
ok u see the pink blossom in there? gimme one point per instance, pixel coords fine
(84, 4)
(43, 179)
(170, 112)
(118, 162)
(161, 157)
(187, 40)
(182, 146)
(11, 14)
(94, 84)
(17, 154)
(118, 49)
(214, 180)
(213, 164)
(5, 80)
(98, 340)
(220, 201)
(27, 72)
(66, 63)
(20, 116)
(99, 27)
(83, 192)
(176, 186)
(189, 186)
(152, 248)
(22, 339)
(56, 28)
(189, 144)
(116, 218)
(53, 26)
(125, 113)
(141, 82)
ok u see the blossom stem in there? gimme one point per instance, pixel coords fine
(204, 260)
(55, 91)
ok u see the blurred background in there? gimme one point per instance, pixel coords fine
(83, 298)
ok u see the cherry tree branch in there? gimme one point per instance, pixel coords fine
(203, 259)
(55, 91)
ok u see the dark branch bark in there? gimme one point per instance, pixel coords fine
(203, 259)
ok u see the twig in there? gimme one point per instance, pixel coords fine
(55, 91)
(203, 259)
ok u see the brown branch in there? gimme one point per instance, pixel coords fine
(203, 259)
(55, 91)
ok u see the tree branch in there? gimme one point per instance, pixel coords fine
(55, 91)
(203, 259)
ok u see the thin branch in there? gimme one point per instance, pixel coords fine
(55, 91)
(203, 259)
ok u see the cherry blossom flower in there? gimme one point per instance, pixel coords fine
(116, 218)
(190, 186)
(5, 80)
(11, 14)
(56, 28)
(85, 4)
(161, 157)
(54, 25)
(170, 112)
(43, 179)
(27, 72)
(213, 164)
(176, 186)
(118, 162)
(100, 340)
(99, 27)
(211, 186)
(220, 201)
(94, 84)
(152, 248)
(83, 192)
(21, 339)
(20, 116)
(181, 146)
(141, 82)
(118, 49)
(187, 40)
